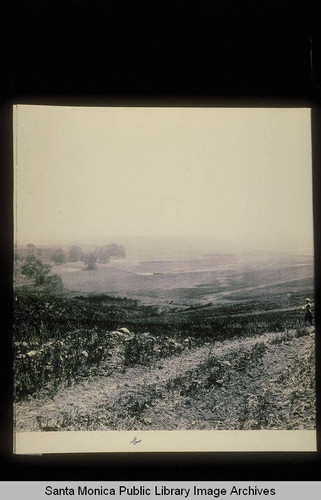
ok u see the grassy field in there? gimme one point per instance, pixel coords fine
(112, 324)
(192, 285)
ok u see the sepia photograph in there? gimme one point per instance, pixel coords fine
(163, 279)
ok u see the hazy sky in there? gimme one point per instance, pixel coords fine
(241, 175)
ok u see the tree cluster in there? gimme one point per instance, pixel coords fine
(30, 255)
(103, 255)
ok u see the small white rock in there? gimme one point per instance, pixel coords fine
(124, 330)
(31, 353)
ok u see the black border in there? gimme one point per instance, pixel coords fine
(226, 67)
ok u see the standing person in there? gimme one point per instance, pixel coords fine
(308, 311)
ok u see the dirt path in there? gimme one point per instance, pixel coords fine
(102, 392)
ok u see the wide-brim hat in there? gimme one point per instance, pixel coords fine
(307, 299)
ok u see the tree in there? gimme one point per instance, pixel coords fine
(74, 254)
(116, 250)
(112, 250)
(58, 256)
(33, 268)
(90, 261)
(103, 254)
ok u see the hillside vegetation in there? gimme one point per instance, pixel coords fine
(212, 349)
(58, 338)
(266, 382)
